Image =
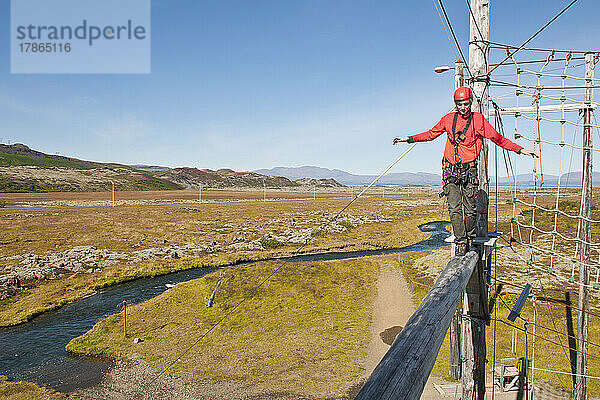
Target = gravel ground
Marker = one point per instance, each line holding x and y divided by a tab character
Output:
138	380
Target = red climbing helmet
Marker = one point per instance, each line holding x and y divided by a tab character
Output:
463	93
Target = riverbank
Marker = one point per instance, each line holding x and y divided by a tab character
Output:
303	331
26	390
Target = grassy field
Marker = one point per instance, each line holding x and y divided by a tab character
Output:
26	391
130	229
134	228
303	332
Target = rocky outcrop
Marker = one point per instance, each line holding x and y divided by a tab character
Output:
318	182
89	259
222	178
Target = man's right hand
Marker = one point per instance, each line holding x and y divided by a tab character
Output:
400	139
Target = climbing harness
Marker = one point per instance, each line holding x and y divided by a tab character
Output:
459	137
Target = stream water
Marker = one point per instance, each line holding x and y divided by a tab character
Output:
35	351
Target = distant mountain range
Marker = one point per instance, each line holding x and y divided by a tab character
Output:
571	179
346	178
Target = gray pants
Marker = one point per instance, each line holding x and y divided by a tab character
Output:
461	200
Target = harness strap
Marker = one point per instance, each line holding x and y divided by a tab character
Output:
458	137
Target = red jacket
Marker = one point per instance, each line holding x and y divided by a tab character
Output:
469	148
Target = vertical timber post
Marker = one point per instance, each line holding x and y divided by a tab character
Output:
124	318
581	389
475	299
455	324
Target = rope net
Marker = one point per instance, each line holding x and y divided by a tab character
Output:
545	104
540	105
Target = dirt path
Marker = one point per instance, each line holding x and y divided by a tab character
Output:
393	307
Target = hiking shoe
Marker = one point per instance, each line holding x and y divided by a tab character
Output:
460	249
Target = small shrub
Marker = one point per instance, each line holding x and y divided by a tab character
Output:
346	224
270	243
318	233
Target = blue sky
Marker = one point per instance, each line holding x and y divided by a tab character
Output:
248	85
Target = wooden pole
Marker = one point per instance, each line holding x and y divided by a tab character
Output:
475	301
454	339
478	65
533	346
581	389
124	318
403	371
113	193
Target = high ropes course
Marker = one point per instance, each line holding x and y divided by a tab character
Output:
550	246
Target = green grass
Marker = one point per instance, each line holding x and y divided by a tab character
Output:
11	185
12	160
303	331
25	391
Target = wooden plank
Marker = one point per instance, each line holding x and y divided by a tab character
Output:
403	371
478	64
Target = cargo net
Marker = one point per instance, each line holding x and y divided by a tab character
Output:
546	105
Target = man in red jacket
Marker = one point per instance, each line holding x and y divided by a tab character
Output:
465	129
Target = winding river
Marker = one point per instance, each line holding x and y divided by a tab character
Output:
35	351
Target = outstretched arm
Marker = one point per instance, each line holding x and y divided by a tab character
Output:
426	136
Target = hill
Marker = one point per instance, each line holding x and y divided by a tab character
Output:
20	155
318	182
193	177
26	170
